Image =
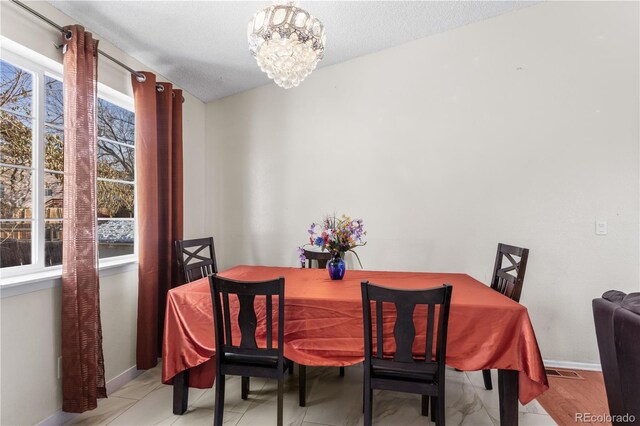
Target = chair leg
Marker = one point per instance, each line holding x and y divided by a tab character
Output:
341	371
364	380
440	411
425	405
290	367
368	403
280	400
302	385
219	408
245	387
434	408
486	375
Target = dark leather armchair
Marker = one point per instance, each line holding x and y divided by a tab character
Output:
626	329
617	321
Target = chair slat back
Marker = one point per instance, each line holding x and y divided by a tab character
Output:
227	320
379	329
321	258
509	269
247	320
404	331
430	321
196	258
269	323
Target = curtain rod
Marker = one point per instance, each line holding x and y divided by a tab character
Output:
139	76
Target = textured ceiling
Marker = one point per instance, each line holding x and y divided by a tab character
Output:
202	45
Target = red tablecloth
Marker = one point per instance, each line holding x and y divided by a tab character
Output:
324	324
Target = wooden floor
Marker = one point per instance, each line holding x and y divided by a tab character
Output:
566	397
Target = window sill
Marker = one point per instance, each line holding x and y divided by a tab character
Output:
50	277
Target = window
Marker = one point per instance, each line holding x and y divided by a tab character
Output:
32	169
116	173
16	164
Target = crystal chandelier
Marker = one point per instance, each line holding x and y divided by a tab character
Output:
287	42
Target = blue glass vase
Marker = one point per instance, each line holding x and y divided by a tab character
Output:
336	267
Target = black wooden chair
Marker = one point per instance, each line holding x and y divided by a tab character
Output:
403	372
321	258
246	359
192	260
507	279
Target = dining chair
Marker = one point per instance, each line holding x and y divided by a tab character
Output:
321	258
246	358
507	279
193	261
401	370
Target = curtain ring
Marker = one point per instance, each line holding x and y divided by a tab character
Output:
173	95
68	35
160	88
141	78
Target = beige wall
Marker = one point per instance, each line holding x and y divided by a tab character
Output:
30	329
523	129
520	129
30	337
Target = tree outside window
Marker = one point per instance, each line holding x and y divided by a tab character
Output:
18	183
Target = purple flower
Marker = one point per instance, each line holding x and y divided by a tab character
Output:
336	234
302	257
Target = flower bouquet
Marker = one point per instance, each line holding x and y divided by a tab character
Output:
337	235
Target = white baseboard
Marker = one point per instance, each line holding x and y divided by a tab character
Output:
122	379
60	417
57	418
570	365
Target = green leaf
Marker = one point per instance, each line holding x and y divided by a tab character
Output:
357	257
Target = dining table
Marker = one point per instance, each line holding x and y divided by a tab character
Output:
324	327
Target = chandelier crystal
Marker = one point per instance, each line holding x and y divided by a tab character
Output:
287	42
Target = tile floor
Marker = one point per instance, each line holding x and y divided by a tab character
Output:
331	400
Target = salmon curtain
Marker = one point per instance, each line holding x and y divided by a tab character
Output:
158	109
82	359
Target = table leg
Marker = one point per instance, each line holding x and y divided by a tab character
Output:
180	392
302	384
508	392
